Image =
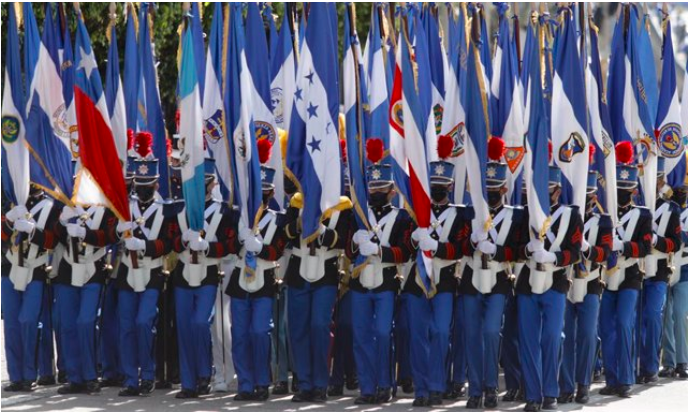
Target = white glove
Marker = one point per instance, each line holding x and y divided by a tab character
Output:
618	245
487	248
253	244
585	246
369	248
24	225
76	231
654	239
124	226
535	245
428	243
322	229
361	236
18	212
244	234
418	234
67	214
189	234
135	244
476	237
544	257
198	244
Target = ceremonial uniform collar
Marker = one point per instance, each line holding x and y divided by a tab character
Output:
381	211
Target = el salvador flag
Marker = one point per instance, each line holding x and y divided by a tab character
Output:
15	156
114	95
46	133
131	69
313	148
438	63
191	131
283	76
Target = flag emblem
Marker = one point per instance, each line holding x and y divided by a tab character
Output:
10	129
607	144
670	140
213	127
438	111
514	156
264	130
458	135
398	115
276	103
574	145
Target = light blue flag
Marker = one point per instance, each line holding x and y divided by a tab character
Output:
199	44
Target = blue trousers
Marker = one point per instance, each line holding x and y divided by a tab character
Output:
343	361
372	333
109	355
510	355
21	311
580	343
60	362
430	322
675	339
483	321
460	364
78	308
617	319
194	313
137	313
654	298
279	356
540	325
309	314
402	338
251	327
46	350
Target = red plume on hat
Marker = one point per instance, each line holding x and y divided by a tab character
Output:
168	145
495	148
445	146
549	149
342	146
264	150
624	152
130	139
591	150
177	117
375	150
144	141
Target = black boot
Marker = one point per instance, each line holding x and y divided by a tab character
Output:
565	398
583	394
435	398
383	396
682	371
365	399
261	393
92	387
302	397
335	391
281	388
597	376
15	386
457	391
46	380
129	391
352	383
532	406
294	384
187	394
406	385
72	388
147	387
110	382
319	395
510	395
667	372
243	396
491	399
61	377
608	390
623	391
421	402
550	404
474	402
203	386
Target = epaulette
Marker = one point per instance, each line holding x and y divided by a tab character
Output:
465	212
344	204
296	200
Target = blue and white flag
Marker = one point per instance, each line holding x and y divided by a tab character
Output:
199	44
32	45
669	131
438	63
132	74
15	155
114	95
646	53
191	131
684	108
259	84
376	78
569	116
47	133
267	14
313	148
283	73
68	79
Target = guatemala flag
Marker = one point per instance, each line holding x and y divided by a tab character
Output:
132	74
569	116
313	149
15	156
669	131
47	133
97	182
259	83
191	132
283	73
199	45
114	95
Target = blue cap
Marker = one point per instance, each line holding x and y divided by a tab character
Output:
626	176
660	166
495	174
441	172
209	167
146	169
267	176
591	185
379	175
554	175
131	167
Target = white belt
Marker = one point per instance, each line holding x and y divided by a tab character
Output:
85	268
541	281
22	276
195	273
138	278
614	279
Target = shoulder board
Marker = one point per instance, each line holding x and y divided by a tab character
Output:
644	211
403	213
466	212
343	205
296	200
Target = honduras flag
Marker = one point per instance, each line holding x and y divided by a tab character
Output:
354	102
238	104
669	131
604	161
114	95
313	148
213	107
150	94
259	77
283	76
569	116
132	74
191	130
438	62
97	183
378	95
15	156
47	134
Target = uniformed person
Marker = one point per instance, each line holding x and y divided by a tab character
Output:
632	242
541	294
27	230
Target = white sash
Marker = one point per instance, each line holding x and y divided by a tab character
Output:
372	275
194	274
312	267
541	281
659	226
255	283
484	280
626	229
442	226
86	268
138	278
579	287
681	258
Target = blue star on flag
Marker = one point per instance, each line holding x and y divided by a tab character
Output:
314	144
297	94
312	110
310	77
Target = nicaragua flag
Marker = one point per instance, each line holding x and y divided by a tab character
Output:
283	76
214	129
132	73
96	182
259	85
114	95
669	131
313	147
47	134
569	116
15	156
191	130
238	104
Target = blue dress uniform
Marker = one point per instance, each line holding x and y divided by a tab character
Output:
79	287
541	294
632	241
23	286
583	304
252	289
659	265
374	287
195	287
153	229
343	360
485	283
